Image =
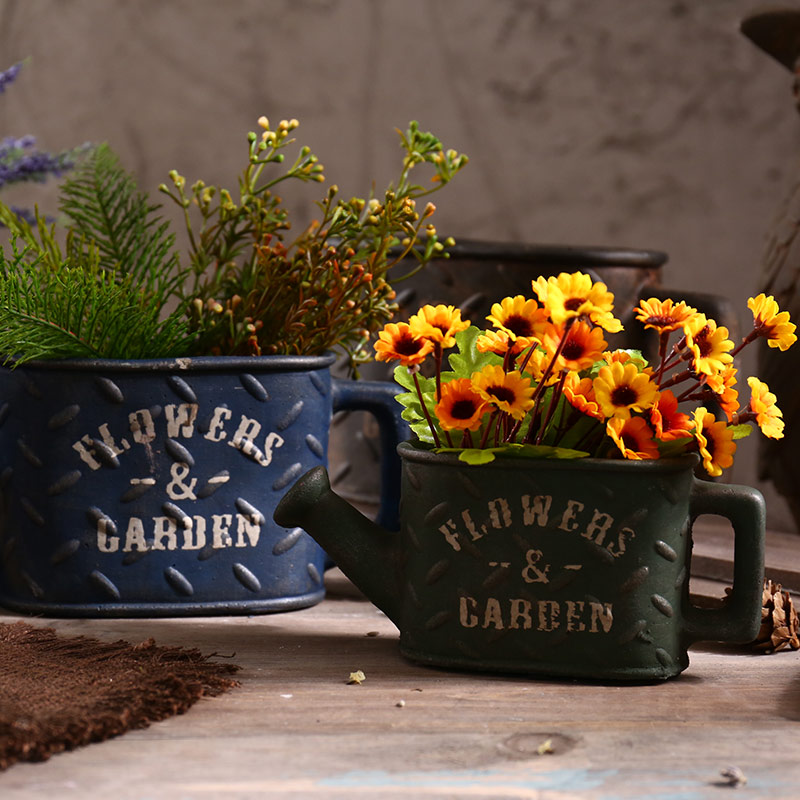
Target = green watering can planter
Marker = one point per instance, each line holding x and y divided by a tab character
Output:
570	568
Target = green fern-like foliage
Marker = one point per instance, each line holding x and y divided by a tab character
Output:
100	290
104	206
72	312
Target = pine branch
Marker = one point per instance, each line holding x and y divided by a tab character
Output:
104	205
72	313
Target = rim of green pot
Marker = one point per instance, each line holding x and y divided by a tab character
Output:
410	452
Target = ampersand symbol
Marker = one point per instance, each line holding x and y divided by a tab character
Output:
532	573
176	488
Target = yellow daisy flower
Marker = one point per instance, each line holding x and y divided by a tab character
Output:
622	388
508	391
574	295
461	407
767	414
663	316
537	364
624	357
584	345
580	395
771	323
714	441
723	385
499	342
397	343
518	317
709	345
633	437
669	423
439	324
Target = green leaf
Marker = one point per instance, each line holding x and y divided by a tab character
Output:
467	359
741	431
675	447
474	455
540	451
636	358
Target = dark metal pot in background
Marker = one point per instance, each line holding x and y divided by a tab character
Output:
480	273
146	488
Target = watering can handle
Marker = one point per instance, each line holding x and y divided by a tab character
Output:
378	398
739	618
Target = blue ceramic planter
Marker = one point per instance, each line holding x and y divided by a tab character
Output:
147	488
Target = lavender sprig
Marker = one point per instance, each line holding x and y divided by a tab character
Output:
20	161
8	76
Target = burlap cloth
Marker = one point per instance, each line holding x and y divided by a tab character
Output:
59	693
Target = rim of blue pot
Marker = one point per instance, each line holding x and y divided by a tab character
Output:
276	363
421	455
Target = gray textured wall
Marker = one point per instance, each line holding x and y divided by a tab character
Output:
649	124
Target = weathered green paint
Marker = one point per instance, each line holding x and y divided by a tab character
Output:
571	568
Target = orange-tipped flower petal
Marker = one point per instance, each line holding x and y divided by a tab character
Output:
663	316
622	388
460	407
709	345
580	395
439	324
508	391
669	423
584	345
633	437
714	441
519	318
396	342
771	323
762	404
575	295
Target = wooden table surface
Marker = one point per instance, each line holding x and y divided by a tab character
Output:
296	729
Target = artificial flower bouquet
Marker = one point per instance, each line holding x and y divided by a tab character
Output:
542	382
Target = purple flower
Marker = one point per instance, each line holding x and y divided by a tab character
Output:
20	161
8	76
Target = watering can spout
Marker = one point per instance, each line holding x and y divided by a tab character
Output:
364	551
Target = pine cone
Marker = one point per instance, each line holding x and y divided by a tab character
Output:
780	626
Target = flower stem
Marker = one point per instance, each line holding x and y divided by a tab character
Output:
555	397
489	425
425	410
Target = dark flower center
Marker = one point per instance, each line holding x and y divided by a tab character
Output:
463	409
630	441
518	325
574	303
573	349
407	345
702	342
624	396
660	320
502	393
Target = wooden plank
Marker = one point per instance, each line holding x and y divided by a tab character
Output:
712	556
296	729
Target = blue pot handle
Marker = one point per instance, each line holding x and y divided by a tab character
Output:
378	398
